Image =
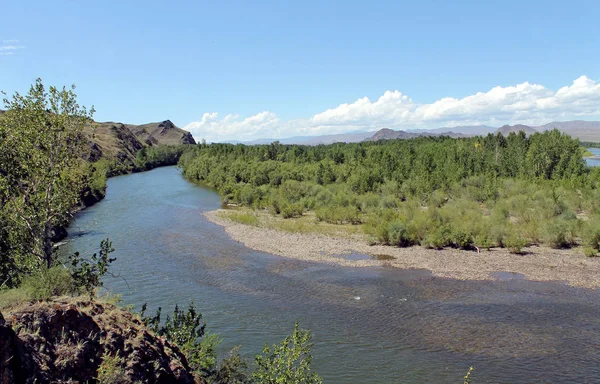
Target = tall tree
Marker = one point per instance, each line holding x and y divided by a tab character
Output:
41	148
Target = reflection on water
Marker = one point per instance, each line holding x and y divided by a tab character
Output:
370	325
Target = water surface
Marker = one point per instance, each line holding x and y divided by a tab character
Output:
594	161
370	325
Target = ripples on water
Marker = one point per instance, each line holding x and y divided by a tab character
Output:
373	325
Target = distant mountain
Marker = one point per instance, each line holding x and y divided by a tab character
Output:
390	134
351	137
506	129
468	130
584	130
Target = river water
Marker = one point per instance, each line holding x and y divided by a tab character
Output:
370	325
594	161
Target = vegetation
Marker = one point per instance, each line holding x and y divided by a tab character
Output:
43	177
436	192
288	362
41	173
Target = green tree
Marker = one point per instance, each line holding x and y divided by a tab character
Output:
41	144
287	363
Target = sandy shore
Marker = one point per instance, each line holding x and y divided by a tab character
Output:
537	263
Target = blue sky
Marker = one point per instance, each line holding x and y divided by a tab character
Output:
276	69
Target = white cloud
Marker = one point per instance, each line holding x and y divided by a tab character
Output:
522	103
9	47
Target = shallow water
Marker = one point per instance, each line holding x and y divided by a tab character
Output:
370	325
594	162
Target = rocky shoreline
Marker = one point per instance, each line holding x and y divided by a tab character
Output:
536	263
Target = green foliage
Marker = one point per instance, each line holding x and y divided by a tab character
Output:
159	156
514	243
288	362
87	274
41	148
186	330
46	283
433	191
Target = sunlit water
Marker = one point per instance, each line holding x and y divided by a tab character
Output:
370	325
595	161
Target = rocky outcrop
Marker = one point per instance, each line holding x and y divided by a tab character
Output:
74	341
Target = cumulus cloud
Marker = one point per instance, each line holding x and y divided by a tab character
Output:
9	47
522	103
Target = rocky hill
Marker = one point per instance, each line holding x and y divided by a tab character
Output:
122	141
78	341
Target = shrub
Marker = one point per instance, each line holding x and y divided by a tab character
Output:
186	330
514	243
288	362
590	252
558	234
46	283
461	238
398	234
438	238
289	211
591	234
87	274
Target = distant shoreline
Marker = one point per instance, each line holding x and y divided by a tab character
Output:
536	264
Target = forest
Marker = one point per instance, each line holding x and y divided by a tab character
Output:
436	192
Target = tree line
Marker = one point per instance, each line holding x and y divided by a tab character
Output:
479	192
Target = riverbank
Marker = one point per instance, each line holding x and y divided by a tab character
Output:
346	249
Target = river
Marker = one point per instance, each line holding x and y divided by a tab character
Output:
594	161
370	325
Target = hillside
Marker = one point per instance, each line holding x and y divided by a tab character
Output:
70	340
122	141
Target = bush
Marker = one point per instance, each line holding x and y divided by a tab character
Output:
590	252
186	330
591	234
289	211
461	238
288	362
398	234
558	234
514	243
438	238
87	274
46	283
